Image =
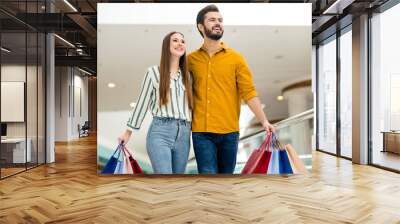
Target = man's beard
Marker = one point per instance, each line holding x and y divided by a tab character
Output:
212	36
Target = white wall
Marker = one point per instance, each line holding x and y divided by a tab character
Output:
61	103
17	73
70	83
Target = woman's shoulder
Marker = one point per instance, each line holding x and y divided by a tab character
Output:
154	73
152	69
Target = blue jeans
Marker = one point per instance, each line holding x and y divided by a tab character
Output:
215	153
168	145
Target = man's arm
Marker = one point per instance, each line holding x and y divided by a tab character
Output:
255	106
248	93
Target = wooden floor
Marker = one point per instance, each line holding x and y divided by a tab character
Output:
70	191
10	171
387	159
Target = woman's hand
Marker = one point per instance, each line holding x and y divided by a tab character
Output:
124	137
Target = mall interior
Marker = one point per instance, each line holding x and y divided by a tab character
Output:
341	109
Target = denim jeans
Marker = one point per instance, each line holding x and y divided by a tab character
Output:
215	153
168	145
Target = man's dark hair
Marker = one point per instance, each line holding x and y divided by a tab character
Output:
202	13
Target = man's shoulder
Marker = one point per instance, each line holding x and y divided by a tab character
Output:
233	51
194	53
235	55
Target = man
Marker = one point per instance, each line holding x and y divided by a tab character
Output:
221	78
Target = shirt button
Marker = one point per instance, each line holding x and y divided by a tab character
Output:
208	101
208	115
208	88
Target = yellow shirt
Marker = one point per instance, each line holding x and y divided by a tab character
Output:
219	84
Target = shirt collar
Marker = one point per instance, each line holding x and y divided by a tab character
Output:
222	47
178	73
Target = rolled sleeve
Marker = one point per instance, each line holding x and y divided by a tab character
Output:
244	80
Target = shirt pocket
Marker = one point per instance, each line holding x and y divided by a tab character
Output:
178	86
225	74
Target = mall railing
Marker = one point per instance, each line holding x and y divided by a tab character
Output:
296	130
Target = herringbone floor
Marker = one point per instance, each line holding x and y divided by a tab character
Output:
70	191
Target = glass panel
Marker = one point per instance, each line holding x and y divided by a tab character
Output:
32	90
13	87
299	135
346	94
41	98
31	100
385	86
327	96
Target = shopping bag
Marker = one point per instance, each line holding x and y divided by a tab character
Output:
284	163
112	162
259	159
273	166
134	164
127	164
297	163
291	163
120	167
281	163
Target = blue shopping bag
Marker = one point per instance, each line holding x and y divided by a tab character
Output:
113	162
284	164
280	163
273	166
119	169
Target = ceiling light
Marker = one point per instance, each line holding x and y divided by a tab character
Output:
70	5
5	50
132	104
280	98
64	40
338	6
111	85
84	71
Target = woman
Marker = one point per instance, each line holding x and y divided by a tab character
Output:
167	89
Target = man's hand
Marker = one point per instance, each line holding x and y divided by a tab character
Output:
255	106
268	127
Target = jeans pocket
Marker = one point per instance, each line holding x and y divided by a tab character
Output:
159	122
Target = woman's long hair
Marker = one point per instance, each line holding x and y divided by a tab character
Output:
165	77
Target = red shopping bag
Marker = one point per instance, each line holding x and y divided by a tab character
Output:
259	159
134	164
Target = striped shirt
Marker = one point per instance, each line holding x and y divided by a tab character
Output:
149	98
